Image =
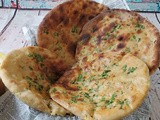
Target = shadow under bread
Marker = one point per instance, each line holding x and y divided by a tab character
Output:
2	88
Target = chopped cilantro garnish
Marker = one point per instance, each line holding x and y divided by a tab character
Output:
54	90
103	99
115	28
106	36
74	29
134	38
108	102
110	47
140	26
115	64
127	50
36	56
90	90
105	73
86	95
91	78
34	84
139	39
80	78
97	50
123	102
40	76
113	97
74	98
124	68
131	70
79	87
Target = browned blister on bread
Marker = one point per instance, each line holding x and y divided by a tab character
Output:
121	32
59	31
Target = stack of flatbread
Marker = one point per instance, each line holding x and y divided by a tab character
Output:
90	61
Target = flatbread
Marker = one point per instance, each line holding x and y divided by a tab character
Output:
60	29
28	73
121	32
100	88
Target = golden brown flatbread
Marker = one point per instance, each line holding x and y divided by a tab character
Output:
99	87
28	73
121	32
60	29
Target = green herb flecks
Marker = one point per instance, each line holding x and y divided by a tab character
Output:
123	102
139	39
103	99
91	78
139	26
79	87
127	50
115	64
97	50
74	98
131	70
105	37
90	90
74	29
80	78
109	102
108	34
110	47
116	28
134	38
36	56
105	74
124	68
40	77
87	95
33	84
54	90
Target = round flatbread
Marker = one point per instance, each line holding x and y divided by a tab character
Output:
121	32
99	87
60	29
28	73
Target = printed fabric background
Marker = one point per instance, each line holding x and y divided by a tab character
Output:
137	5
